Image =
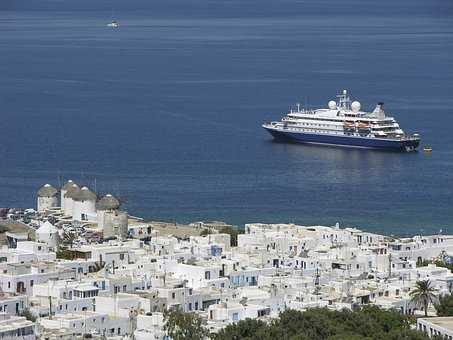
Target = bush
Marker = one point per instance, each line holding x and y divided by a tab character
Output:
184	326
367	323
444	306
28	315
233	232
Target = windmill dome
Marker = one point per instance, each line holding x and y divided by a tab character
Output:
84	194
68	185
47	191
108	202
72	190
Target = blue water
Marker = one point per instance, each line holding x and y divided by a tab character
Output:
166	111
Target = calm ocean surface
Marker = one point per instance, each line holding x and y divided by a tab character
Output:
166	110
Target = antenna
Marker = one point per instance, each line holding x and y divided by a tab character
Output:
344	100
59	179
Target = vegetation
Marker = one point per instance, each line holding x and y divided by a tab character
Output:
445	265
423	294
422	262
368	323
205	232
184	326
65	254
439	263
233	232
28	315
444	305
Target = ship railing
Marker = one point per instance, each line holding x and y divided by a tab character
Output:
414	136
409	137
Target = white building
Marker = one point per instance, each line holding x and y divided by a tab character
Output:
16	327
26	252
13	304
87	322
70	190
440	326
111	220
63	191
150	327
48	234
47	198
84	208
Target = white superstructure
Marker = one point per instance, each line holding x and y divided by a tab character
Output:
344	118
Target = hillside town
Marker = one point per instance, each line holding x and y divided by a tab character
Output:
80	266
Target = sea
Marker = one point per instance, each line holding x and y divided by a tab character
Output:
165	112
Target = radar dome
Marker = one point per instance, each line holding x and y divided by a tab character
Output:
355	106
332	105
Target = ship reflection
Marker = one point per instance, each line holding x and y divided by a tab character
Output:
343	165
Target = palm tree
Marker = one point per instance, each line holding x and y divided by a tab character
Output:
423	294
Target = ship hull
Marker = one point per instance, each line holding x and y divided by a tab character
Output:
344	141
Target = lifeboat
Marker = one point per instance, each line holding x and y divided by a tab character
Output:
363	126
349	125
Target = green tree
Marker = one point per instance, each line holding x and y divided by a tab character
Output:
244	330
444	305
423	294
28	315
233	232
367	323
65	254
184	326
205	232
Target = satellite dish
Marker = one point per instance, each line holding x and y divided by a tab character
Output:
355	106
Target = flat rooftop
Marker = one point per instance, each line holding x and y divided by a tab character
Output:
444	322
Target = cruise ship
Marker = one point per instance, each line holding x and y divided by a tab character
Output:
343	124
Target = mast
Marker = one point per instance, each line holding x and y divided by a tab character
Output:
344	101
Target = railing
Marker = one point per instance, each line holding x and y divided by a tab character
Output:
285	127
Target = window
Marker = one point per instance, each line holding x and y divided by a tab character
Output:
121	256
207	275
173	295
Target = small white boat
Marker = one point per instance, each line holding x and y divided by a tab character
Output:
113	24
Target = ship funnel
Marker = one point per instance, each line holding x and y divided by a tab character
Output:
379	110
